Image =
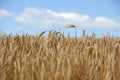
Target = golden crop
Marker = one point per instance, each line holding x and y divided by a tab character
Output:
57	57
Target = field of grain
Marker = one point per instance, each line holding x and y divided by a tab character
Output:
57	57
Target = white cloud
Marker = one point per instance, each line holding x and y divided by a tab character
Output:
46	18
4	13
103	21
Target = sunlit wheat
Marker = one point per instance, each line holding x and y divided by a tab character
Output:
57	57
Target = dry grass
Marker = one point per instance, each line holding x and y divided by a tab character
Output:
57	57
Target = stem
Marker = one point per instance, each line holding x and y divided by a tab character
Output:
75	32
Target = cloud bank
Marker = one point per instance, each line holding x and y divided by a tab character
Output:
4	13
48	18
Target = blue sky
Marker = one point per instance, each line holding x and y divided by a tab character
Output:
35	16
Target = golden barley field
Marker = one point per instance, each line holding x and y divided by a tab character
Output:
59	57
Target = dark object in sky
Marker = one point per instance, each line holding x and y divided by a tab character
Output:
72	26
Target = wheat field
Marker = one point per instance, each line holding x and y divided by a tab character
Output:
59	57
